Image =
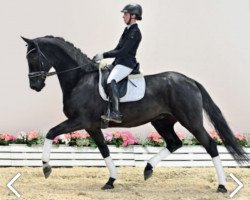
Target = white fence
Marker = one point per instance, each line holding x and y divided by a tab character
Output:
187	156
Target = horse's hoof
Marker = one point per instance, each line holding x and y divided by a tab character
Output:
107	187
222	189
148	174
47	170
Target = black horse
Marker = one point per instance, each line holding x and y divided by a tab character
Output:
170	97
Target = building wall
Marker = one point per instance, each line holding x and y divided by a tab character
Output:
208	40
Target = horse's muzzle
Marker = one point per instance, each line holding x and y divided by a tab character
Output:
37	87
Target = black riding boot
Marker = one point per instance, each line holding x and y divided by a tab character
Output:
115	115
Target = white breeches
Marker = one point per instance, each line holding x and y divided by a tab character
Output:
118	73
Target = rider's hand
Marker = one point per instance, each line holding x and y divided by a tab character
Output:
98	57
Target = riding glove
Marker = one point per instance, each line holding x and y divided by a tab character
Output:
98	57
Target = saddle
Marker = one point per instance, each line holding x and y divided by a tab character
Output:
130	89
122	85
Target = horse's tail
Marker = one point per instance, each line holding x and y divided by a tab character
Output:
222	127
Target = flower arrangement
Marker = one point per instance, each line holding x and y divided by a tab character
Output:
29	138
213	134
241	139
80	139
6	139
62	139
117	138
120	138
154	139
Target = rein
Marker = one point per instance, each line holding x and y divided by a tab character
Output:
45	74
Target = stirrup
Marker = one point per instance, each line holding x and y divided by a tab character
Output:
105	117
116	119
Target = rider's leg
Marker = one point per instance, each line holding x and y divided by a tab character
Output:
118	73
115	114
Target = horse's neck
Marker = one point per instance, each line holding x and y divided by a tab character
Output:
68	81
64	65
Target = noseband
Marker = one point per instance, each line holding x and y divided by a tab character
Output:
43	73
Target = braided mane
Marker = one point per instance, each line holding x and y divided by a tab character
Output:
74	51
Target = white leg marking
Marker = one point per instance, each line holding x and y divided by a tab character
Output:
219	170
46	150
158	157
112	169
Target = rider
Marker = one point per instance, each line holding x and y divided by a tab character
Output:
124	54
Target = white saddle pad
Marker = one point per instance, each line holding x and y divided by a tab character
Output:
135	88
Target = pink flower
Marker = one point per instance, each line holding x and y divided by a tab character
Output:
7	137
67	136
108	136
79	135
84	135
128	138
117	134
75	135
215	135
124	136
150	135
240	136
32	135
56	139
181	135
13	137
154	137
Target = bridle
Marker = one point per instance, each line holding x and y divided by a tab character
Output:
42	72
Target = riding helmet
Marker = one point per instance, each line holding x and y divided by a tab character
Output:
135	9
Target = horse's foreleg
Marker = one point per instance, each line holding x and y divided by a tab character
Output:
46	157
65	127
97	136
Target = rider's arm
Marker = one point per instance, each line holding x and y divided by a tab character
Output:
133	38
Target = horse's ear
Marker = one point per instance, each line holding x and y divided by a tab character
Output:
28	41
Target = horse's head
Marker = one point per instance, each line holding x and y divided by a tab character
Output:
38	65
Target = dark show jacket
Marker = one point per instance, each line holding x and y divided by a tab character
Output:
125	51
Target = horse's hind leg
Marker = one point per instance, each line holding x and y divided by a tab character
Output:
165	127
209	144
194	123
97	136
